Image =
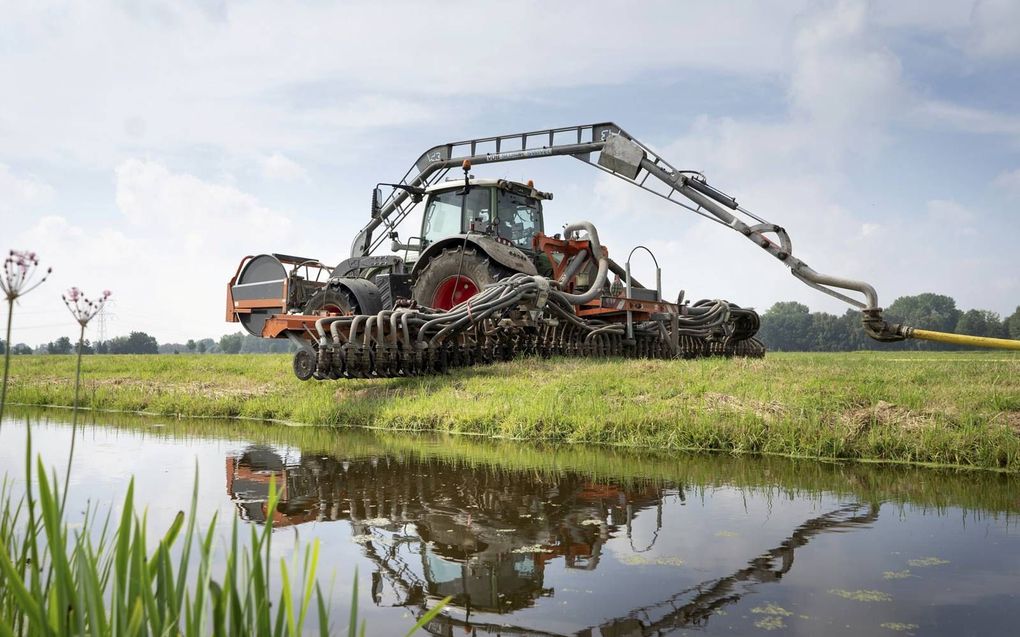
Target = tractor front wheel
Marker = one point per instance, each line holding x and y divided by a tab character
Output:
328	301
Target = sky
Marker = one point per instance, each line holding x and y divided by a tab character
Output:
146	147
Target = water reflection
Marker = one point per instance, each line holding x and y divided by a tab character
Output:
484	537
572	540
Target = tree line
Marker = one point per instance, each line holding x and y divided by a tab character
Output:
786	326
142	343
791	326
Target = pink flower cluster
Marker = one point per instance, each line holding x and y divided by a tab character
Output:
19	272
82	308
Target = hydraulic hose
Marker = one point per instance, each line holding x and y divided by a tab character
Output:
596	249
962	339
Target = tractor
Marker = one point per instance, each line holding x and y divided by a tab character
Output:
482	281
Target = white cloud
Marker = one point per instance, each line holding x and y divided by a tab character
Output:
993	32
277	167
846	93
166	259
270	77
1009	181
969	119
869	228
19	193
843	77
195	213
953	217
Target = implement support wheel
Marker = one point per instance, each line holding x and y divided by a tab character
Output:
304	364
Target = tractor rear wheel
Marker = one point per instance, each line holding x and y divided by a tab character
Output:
454	276
327	301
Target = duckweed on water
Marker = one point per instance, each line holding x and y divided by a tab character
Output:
534	548
772	622
925	562
641	560
897	626
771	609
904	574
862	595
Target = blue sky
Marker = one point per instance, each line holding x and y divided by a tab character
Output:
146	147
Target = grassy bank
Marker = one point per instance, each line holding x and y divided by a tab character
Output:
765	475
946	408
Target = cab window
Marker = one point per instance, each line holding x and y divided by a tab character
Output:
443	214
518	218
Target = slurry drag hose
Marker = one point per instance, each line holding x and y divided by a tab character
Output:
960	339
886	332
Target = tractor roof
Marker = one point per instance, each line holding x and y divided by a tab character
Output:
454	183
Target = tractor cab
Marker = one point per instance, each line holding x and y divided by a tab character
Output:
508	210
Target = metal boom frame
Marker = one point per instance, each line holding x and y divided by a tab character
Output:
624	157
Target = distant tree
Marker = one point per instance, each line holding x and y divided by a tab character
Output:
1013	324
21	349
828	333
256	345
927	311
60	346
3	346
786	326
231	343
191	345
102	348
972	322
996	326
86	347
201	346
981	323
135	343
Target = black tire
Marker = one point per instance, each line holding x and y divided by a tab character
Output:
304	364
470	264
329	300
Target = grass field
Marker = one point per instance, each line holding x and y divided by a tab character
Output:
956	408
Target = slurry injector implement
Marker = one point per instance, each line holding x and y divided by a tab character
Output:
483	282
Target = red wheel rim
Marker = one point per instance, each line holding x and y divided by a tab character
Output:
333	309
452	291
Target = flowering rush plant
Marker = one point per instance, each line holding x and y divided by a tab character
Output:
20	274
83	308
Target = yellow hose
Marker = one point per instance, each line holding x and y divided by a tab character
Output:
962	339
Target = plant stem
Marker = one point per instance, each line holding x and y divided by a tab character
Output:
7	358
74	417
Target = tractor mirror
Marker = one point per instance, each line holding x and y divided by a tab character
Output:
377	201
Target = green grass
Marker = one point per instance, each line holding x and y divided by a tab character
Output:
954	408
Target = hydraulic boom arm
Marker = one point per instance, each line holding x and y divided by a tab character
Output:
608	147
622	156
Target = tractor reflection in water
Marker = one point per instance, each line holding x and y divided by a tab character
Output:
484	536
480	535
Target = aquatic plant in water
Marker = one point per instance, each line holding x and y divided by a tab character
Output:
19	278
925	562
862	595
101	578
83	310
